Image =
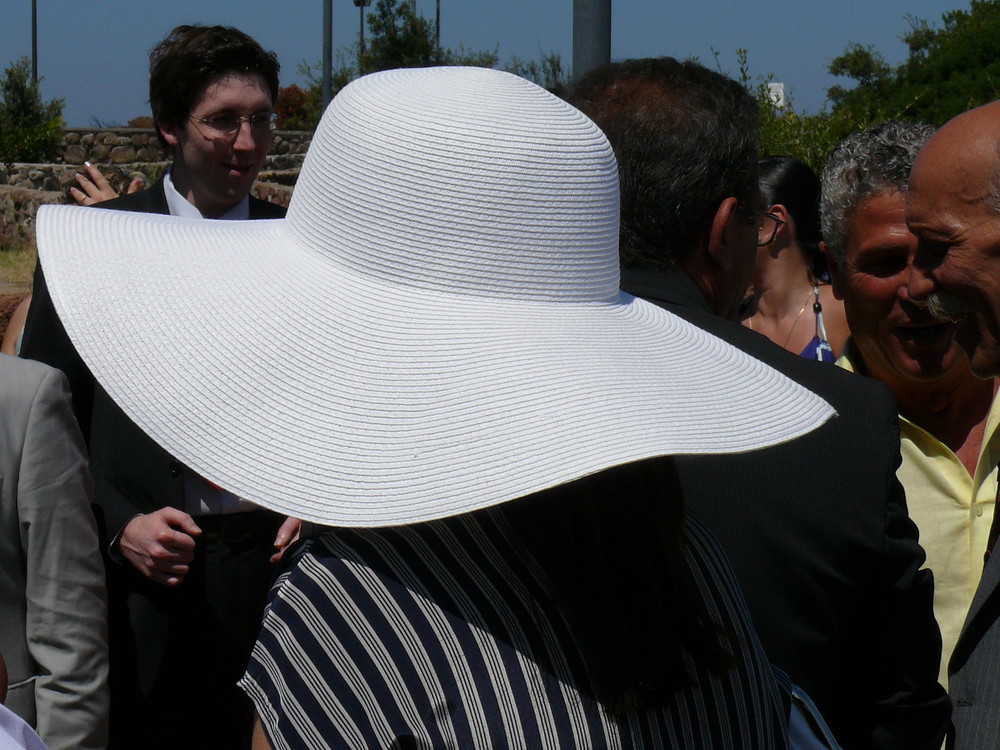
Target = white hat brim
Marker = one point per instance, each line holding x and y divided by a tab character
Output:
323	394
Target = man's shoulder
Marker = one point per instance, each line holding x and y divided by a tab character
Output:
844	390
150	201
24	376
262	209
29	388
154	201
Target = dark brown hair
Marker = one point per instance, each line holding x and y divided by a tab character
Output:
685	138
191	57
612	548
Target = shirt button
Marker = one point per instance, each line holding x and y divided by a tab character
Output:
175	472
979	511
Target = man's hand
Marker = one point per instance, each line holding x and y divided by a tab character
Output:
287	535
94	187
160	545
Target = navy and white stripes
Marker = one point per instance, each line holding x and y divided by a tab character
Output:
437	636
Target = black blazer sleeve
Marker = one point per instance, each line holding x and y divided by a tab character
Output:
46	340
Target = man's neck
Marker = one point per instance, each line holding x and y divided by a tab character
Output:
954	409
665	285
180	203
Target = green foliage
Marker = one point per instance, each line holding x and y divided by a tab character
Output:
786	132
547	71
809	137
864	64
30	130
399	38
402	39
948	70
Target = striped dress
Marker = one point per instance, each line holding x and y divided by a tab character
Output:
437	636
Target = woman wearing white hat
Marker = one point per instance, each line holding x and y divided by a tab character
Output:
452	339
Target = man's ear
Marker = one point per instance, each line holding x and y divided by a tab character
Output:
726	237
835	271
168	131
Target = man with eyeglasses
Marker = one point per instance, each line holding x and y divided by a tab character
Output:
188	563
816	528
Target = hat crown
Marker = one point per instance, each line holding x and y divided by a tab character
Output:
463	181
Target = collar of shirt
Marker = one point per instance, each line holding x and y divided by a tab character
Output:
953	512
179	205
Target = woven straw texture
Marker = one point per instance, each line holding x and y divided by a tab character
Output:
435	327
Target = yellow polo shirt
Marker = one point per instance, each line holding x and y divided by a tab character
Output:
953	512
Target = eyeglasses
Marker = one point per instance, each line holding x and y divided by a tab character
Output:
227	126
765	233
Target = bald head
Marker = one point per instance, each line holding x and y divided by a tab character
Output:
953	208
962	158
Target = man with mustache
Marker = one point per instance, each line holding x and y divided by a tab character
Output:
952	208
949	419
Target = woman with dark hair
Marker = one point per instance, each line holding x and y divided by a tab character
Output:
790	275
584	616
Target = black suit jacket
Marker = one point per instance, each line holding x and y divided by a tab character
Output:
132	474
974	670
818	533
160	637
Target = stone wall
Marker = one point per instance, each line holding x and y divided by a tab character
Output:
136	151
18	205
57	177
140	145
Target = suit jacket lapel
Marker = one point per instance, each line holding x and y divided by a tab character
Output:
982	612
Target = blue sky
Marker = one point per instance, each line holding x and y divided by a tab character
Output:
93	54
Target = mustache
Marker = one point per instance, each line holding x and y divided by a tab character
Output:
946	306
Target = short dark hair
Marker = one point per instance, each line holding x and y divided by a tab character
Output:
191	57
794	185
685	138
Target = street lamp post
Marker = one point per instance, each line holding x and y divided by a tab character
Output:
34	42
327	86
591	35
361	5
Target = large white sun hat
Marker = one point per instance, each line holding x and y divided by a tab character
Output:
436	326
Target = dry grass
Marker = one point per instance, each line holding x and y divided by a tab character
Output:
17	255
17	266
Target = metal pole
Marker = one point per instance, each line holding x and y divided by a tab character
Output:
437	25
361	33
34	42
591	35
327	51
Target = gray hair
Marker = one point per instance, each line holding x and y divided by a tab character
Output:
861	166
